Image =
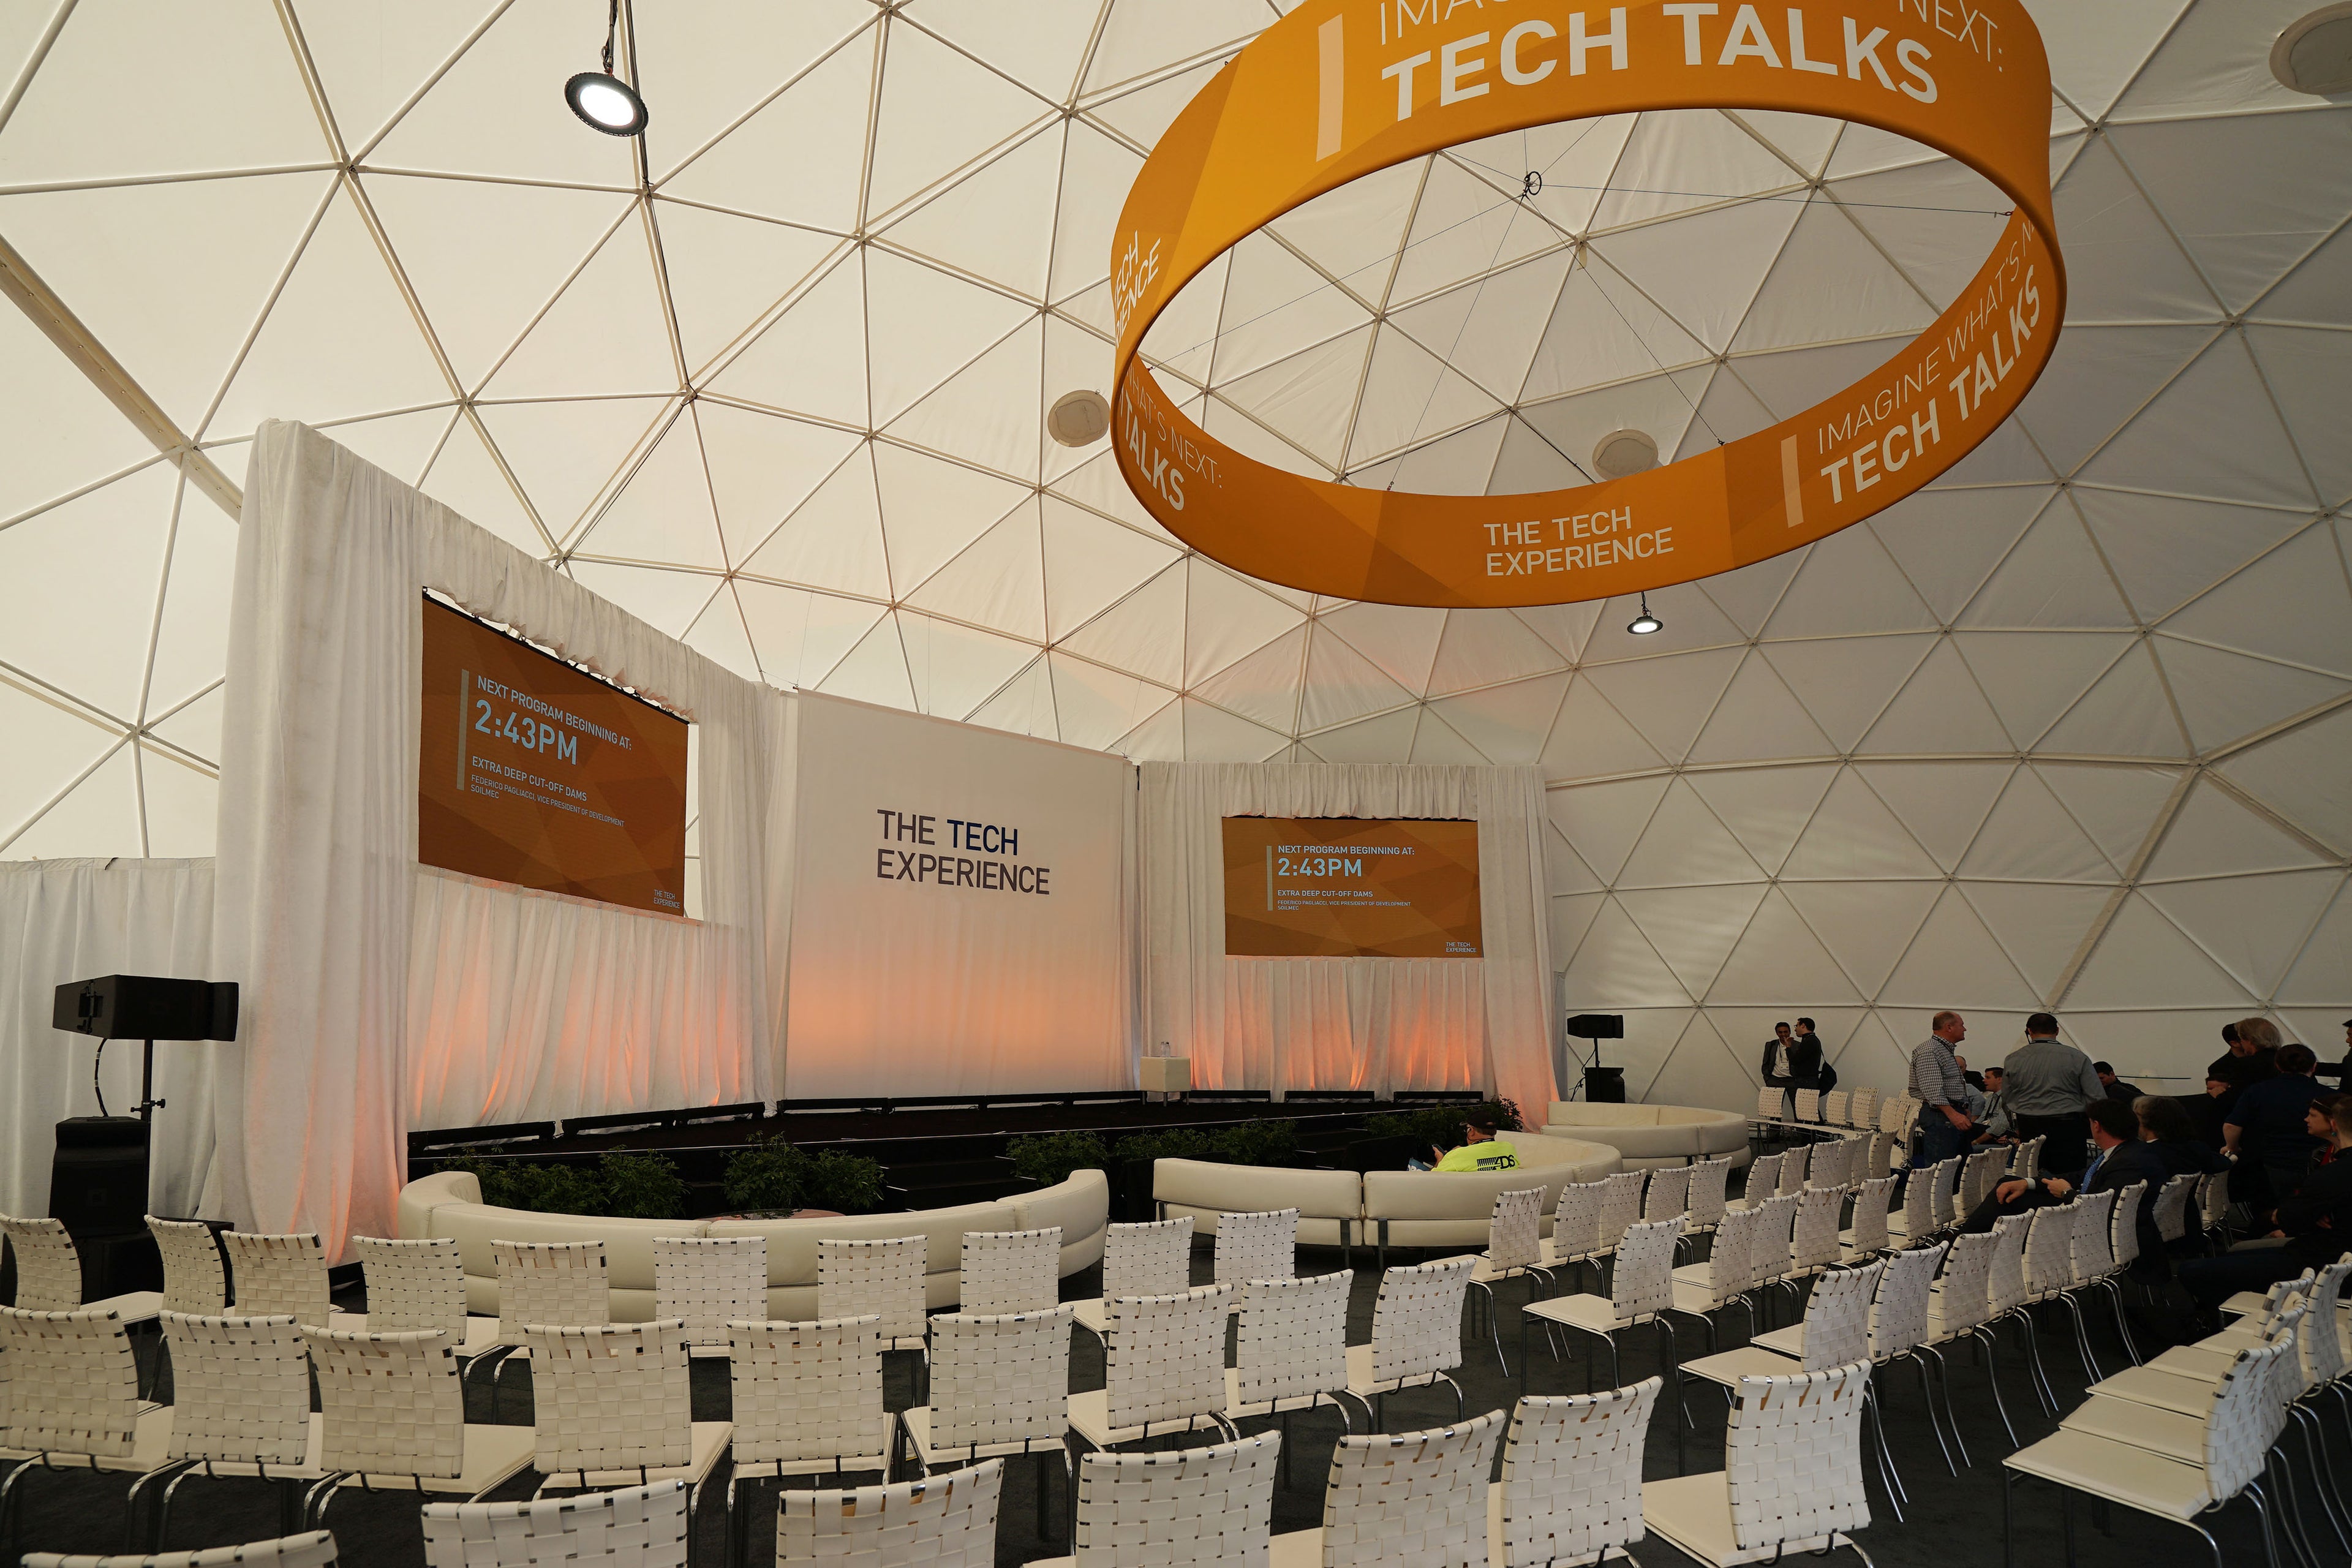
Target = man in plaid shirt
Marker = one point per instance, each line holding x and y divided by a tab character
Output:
1937	1083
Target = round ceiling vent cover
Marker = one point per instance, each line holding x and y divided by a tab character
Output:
1079	419
2315	54
1624	452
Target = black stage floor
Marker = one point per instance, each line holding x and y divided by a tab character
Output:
1953	1521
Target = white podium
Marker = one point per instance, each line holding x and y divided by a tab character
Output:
1166	1075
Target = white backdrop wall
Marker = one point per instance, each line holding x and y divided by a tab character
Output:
70	920
907	987
1381	1024
315	909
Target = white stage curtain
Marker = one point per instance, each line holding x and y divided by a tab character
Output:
317	844
71	920
1381	1024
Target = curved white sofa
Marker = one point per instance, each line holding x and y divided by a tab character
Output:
449	1204
1649	1136
1404	1208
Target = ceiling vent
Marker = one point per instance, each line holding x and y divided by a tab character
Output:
1623	452
2315	55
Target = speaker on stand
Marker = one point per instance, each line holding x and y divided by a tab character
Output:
97	1178
1603	1085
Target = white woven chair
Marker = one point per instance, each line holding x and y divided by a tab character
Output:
1416	1334
2027	1162
1978	1175
1191	1507
612	1404
1668	1195
1703	1290
1832	1165
278	1276
1835	1331
999	1385
1249	1247
1767	1105
70	1400
1834	1103
1415	1500
2213	1205
1150	1258
1868	1237
1882	1147
940	1521
710	1281
1763	1182
240	1407
883	1278
1641	1290
391	1413
1514	1250
48	1273
1814	1236
1708	1179
1794	1163
48	1278
807	1401
414	1285
193	1281
1961	1306
315	1549
2090	1258
1898	1328
638	1526
1808	1105
1163	1368
1620	1209
1575	1236
2005	1298
1011	1271
1864	1108
1770	1247
556	1284
2215	1452
2172	1207
1915	1220
1290	1350
1571	1485
1791	1480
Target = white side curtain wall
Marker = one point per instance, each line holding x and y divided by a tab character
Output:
71	920
1381	1024
317	902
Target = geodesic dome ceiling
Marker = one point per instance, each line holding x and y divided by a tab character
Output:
2070	728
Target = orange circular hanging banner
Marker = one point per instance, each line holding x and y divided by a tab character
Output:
1340	88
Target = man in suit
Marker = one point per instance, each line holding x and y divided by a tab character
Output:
1790	1065
2119	1160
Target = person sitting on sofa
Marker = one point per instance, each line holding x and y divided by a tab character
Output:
1481	1152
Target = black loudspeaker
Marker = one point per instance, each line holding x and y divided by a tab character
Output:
98	1185
1604	1086
146	1007
1584	1026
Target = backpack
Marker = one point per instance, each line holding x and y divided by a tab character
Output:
1829	1078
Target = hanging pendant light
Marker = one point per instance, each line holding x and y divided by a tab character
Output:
603	101
1643	624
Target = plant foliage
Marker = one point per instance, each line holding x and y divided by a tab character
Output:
636	1186
773	1174
1046	1158
1441	1125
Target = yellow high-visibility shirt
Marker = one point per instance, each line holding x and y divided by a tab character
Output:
1494	1154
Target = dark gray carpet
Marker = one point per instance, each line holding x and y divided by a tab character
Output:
1952	1520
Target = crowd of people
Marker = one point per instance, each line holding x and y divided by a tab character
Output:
2264	1118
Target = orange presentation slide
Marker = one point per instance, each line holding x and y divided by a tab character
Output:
1347	887
534	772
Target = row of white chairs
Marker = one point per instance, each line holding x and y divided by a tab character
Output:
1861	1109
2196	1427
1570	1491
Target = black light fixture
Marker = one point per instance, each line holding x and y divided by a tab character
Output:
1643	624
603	101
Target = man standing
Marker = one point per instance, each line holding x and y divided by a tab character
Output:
2344	1068
2116	1088
1936	1083
2267	1125
2047	1085
1790	1066
2252	1056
